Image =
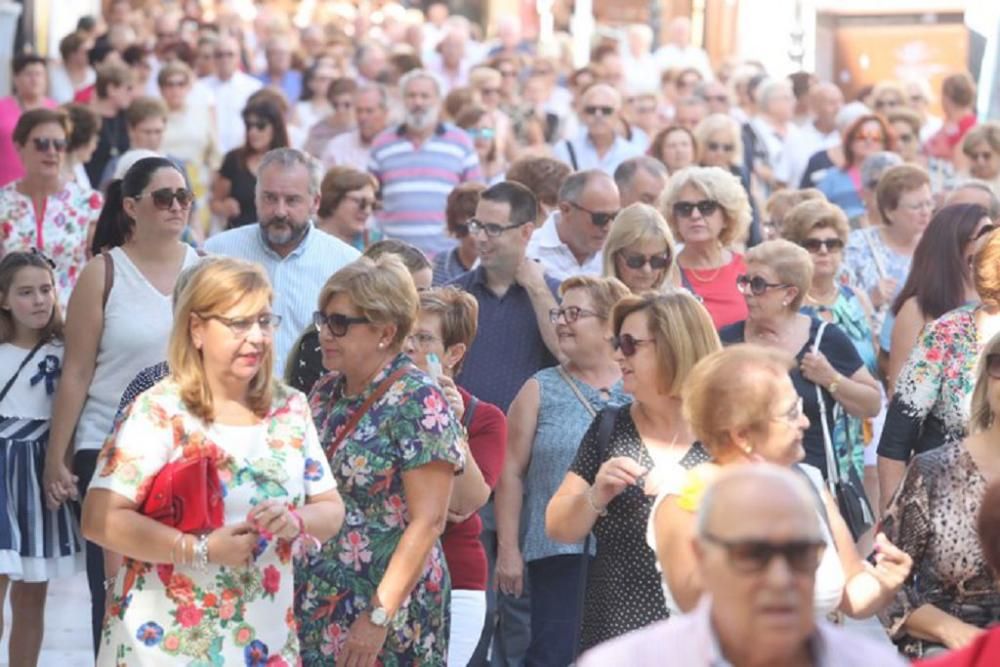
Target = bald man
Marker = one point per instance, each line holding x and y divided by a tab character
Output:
820	133
758	546
598	144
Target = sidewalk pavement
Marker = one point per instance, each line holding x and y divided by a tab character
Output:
67	626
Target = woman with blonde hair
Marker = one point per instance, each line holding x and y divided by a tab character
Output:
624	456
229	556
708	210
639	249
719	142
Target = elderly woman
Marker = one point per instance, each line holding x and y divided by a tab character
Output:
743	407
843	184
480	125
779	204
346	204
905	124
675	147
981	146
44	209
380	591
778	278
719	143
639	250
615	473
708	211
445	328
459	209
548	419
219	406
930	404
953	595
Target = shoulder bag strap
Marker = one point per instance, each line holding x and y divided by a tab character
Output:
109	277
832	469
572	154
470	412
564	374
28	357
352	423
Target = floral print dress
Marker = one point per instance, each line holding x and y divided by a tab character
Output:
408	427
866	257
63	232
163	614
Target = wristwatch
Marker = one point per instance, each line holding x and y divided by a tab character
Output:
378	614
832	387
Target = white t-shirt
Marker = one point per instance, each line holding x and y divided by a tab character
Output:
26	400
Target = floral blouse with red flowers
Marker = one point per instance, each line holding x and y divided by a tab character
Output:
409	426
62	234
164	614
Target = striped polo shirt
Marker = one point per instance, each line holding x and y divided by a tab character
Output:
416	180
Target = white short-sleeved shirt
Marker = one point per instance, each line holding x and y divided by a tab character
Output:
29	399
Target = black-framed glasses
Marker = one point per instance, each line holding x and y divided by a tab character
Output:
829	245
684	209
336	324
492	229
636	261
629	344
595	109
44	144
241	326
597	218
164	198
756	285
569	313
993	365
753	556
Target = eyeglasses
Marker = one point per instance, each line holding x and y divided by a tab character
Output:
629	344
343	105
927	204
422	339
508	73
241	326
888	104
993	365
363	203
756	285
163	199
490	91
753	556
828	245
637	260
715	146
985	156
492	229
44	144
904	138
593	110
684	209
875	137
570	314
917	99
793	414
721	99
481	132
597	218
224	54
259	125
336	323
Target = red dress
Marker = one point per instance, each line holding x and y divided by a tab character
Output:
718	292
983	652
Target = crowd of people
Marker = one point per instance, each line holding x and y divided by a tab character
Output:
385	341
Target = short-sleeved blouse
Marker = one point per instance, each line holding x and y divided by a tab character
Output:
864	254
410	426
623	586
933	393
163	614
716	288
933	518
62	235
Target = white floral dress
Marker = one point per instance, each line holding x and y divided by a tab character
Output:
161	614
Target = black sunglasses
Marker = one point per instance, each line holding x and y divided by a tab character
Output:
829	245
684	209
628	344
757	285
597	218
716	146
259	125
44	144
993	365
595	110
637	261
336	323
753	556
163	199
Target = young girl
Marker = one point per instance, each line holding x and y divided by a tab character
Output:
36	545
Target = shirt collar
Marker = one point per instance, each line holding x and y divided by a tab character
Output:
548	233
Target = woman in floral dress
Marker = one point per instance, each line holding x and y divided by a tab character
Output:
379	591
222	596
44	210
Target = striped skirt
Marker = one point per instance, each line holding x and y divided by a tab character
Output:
36	544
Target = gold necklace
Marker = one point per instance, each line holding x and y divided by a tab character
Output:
824	299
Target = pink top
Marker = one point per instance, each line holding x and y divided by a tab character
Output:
10	164
718	292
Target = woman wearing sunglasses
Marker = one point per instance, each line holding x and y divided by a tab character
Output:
44	209
953	595
709	212
639	250
381	590
480	125
842	184
743	407
346	204
610	486
119	320
930	401
777	279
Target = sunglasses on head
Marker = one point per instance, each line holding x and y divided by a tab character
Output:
594	110
628	344
44	144
163	199
754	556
716	146
684	209
830	245
993	365
336	324
638	260
597	218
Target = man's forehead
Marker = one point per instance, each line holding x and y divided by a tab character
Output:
278	179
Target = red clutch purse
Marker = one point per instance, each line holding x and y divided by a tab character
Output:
187	495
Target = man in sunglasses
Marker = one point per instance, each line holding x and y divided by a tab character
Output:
758	546
598	144
570	241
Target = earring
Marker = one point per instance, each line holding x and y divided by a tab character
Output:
785	304
381	345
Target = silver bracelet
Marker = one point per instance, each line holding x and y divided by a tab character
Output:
201	554
593	505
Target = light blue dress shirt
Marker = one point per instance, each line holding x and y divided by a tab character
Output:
587	157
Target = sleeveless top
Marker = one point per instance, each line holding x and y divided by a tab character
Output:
137	323
562	423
